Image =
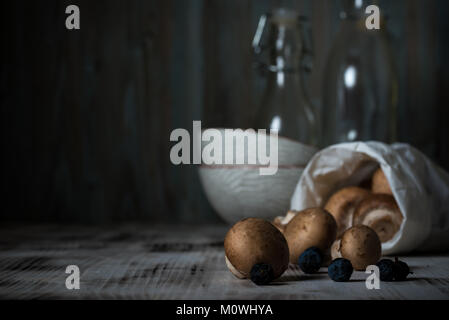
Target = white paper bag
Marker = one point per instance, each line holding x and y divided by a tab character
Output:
420	187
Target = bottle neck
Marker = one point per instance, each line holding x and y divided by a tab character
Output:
285	57
286	48
284	79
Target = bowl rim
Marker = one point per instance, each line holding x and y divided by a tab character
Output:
267	134
248	166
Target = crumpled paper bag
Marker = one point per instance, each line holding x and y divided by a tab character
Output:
420	187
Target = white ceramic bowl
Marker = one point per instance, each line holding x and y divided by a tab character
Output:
238	192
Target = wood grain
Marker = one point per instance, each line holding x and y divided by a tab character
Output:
160	262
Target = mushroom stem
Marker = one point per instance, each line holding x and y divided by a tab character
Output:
233	270
281	222
335	249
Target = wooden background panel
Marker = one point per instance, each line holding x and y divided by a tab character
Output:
87	115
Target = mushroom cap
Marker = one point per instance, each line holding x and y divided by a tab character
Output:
252	241
314	227
342	204
379	183
361	245
381	213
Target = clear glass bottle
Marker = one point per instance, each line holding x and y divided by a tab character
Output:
284	107
360	84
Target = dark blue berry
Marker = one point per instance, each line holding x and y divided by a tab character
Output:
310	260
386	269
340	270
261	274
401	270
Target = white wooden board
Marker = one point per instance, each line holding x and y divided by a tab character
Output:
157	262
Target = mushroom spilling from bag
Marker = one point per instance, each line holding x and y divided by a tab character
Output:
342	205
419	186
381	213
354	205
379	183
375	208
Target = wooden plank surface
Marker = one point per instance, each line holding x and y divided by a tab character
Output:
157	262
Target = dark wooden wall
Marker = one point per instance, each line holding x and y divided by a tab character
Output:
86	115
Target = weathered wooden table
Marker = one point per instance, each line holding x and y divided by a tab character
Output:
157	262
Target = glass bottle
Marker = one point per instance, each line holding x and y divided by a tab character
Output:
360	85
284	107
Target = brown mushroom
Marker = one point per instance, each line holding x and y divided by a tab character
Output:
342	204
381	213
314	227
360	245
252	241
379	183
